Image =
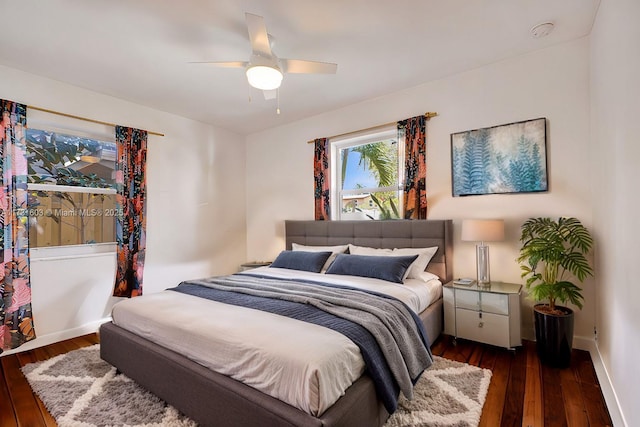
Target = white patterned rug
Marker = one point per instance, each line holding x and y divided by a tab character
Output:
448	394
81	390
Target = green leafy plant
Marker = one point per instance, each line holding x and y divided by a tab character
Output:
377	157
386	212
552	252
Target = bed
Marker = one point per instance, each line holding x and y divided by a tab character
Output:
212	398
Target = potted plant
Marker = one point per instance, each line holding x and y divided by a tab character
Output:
554	252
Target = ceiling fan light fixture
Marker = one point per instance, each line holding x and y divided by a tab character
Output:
264	77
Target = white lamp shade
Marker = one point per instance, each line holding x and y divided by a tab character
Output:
482	230
264	77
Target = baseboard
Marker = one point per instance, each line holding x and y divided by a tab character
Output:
583	343
606	386
55	337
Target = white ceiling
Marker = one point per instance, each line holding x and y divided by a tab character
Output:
139	50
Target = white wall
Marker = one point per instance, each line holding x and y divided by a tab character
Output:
195	213
615	67
551	83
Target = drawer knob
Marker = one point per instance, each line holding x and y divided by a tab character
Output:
480	324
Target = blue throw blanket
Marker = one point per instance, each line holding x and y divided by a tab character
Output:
389	335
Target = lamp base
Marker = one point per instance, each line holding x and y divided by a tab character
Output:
482	265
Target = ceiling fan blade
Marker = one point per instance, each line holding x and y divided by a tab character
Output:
258	35
308	67
225	64
270	94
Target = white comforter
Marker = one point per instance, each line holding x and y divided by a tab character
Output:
305	365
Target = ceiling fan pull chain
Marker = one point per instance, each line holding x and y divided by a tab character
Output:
278	101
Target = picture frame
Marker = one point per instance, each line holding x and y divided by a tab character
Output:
509	158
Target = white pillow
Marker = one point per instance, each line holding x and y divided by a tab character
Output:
425	276
339	249
420	264
364	250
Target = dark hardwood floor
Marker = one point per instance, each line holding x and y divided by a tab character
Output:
525	393
522	391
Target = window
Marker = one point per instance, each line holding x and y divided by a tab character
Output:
71	189
366	176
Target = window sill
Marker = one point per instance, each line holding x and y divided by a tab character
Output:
72	251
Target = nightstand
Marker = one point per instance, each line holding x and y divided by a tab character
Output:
488	314
254	264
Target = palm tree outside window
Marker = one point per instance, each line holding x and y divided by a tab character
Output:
367	176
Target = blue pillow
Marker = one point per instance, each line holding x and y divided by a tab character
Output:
389	268
301	260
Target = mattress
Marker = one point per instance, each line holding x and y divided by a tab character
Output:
302	364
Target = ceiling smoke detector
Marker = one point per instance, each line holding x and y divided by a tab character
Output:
542	29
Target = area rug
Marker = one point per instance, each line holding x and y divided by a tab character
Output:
81	390
448	394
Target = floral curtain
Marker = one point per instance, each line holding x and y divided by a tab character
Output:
321	180
131	189
16	319
413	132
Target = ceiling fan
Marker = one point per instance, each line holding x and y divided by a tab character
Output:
264	69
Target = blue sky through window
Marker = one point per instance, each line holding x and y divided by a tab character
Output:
357	174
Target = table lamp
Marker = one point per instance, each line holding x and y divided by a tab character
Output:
482	230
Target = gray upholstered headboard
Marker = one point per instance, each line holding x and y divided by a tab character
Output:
381	234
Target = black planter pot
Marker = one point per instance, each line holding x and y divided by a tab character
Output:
554	336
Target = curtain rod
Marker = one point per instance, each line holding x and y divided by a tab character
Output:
427	115
84	118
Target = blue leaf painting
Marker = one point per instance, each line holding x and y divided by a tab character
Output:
501	159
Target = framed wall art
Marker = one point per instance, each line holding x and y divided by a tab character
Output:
509	158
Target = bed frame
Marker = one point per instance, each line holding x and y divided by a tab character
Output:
213	399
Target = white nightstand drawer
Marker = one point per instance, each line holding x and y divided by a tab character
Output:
483	301
469	300
494	303
484	327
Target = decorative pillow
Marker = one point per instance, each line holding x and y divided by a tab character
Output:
301	260
364	250
389	268
335	250
420	264
425	276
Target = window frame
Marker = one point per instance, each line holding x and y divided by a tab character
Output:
353	140
63	251
72	252
82	249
